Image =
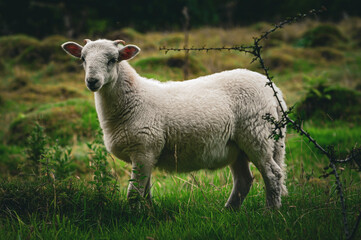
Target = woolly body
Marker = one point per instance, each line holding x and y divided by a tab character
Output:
205	123
200	122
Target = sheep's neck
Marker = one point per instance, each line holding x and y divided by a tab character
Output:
116	101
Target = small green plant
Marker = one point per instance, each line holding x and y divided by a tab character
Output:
57	163
51	162
317	87
36	146
103	180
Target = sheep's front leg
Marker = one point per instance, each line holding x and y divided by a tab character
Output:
139	184
242	182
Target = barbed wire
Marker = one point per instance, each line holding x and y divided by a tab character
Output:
256	50
241	48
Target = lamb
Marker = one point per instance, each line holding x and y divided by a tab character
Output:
205	123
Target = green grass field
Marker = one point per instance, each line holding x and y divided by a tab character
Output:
81	194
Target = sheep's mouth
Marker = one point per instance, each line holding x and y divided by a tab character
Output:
93	87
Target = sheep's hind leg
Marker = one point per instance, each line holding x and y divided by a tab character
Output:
279	157
242	181
272	176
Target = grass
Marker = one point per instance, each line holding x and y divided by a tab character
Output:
181	211
42	84
185	206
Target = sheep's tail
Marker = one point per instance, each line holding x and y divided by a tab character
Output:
280	149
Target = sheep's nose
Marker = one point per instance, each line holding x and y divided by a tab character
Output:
93	84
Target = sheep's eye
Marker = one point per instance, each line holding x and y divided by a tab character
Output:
83	59
112	61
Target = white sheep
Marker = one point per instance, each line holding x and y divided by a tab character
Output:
205	123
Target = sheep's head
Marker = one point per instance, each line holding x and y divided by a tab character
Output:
100	59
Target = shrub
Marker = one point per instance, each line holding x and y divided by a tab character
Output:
326	102
322	35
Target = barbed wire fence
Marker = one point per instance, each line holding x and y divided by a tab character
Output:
353	158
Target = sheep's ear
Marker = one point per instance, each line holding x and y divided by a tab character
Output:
128	52
72	49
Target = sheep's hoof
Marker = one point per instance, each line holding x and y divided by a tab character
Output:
273	204
232	206
140	205
134	206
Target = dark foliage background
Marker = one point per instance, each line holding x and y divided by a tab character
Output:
41	18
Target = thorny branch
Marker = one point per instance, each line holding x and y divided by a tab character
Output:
256	51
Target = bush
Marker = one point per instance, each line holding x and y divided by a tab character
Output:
327	102
322	35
